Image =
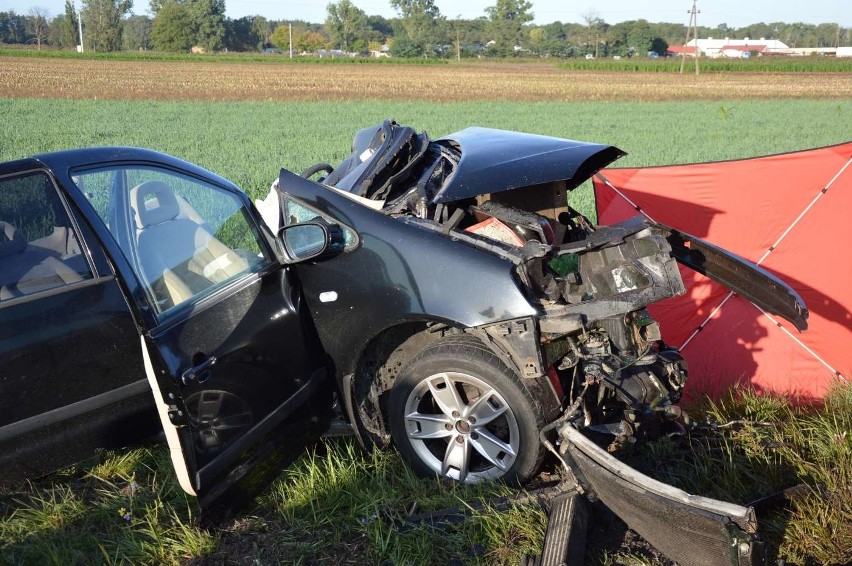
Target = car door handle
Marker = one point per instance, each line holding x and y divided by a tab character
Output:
199	373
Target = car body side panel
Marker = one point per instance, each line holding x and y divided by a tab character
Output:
399	272
498	160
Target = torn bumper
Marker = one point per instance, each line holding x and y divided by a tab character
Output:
689	529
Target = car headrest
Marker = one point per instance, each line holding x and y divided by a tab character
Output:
11	241
153	203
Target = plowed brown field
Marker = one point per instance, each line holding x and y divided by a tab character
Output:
227	81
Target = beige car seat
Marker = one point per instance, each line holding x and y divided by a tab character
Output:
179	256
27	269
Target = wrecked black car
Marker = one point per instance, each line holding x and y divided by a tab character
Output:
438	295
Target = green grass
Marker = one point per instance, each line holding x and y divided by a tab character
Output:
813	64
249	142
337	504
769	444
341	505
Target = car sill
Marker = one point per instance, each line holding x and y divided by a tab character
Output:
73	410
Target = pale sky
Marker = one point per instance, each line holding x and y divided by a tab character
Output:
735	13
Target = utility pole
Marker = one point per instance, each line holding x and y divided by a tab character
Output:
291	40
80	26
458	38
693	27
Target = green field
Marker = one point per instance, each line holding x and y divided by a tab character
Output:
249	142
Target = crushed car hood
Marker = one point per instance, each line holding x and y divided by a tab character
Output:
497	160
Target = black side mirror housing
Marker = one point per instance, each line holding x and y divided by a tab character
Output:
312	240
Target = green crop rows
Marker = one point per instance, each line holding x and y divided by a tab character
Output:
249	142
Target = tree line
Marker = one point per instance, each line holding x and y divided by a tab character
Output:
419	30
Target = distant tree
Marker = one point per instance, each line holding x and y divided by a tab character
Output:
346	25
280	38
102	20
381	26
208	18
138	33
507	22
307	41
639	37
262	29
53	36
12	28
304	40
240	34
549	40
594	28
172	29
205	20
68	31
419	20
37	25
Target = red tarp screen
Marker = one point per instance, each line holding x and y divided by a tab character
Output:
792	214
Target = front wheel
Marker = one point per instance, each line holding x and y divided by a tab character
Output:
456	411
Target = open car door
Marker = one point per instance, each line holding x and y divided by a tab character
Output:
230	351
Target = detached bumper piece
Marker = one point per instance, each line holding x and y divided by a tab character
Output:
567	524
689	529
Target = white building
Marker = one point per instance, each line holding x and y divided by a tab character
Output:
736	47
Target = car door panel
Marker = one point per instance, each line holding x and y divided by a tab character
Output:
229	350
67	388
267	363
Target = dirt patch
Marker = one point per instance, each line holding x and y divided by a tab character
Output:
229	81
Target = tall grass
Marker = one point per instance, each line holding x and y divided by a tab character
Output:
751	445
248	57
341	505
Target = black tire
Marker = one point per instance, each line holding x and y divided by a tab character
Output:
500	441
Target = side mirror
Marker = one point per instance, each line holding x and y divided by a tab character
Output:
311	240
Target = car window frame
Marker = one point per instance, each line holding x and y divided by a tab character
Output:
211	295
96	277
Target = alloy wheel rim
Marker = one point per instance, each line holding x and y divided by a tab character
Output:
461	427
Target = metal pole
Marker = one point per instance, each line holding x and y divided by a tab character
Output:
80	27
693	27
291	40
686	46
695	33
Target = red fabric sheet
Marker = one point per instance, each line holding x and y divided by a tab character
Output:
746	206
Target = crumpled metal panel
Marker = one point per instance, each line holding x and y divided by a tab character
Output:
493	161
689	529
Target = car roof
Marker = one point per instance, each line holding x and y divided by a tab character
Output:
61	161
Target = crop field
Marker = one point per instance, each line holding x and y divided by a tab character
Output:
255	81
249	142
338	505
